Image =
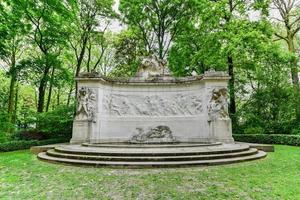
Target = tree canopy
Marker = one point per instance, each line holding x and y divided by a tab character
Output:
44	44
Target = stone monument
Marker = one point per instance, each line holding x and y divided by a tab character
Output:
153	107
152	119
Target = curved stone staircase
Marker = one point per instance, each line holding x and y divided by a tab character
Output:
151	155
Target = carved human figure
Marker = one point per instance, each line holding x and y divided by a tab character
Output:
218	106
86	104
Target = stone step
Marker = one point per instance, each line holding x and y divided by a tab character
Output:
44	156
175	151
128	145
54	153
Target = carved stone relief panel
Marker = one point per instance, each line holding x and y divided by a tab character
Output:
218	105
86	106
152	105
159	134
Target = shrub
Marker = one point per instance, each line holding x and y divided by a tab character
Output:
29	135
25	144
5	126
254	130
56	123
293	140
296	131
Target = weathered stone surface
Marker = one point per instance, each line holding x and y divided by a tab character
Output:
159	134
86	104
44	148
152	105
143	156
194	108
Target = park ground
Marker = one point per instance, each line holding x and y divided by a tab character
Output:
22	176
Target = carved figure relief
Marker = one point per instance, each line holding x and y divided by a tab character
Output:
86	104
218	105
159	134
153	105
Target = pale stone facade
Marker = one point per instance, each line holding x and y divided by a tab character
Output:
153	110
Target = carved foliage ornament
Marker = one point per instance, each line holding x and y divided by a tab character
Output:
86	98
218	105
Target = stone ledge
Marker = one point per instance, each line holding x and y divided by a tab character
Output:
38	149
262	147
214	75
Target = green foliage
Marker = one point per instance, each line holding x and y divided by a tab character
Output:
56	123
266	96
128	53
293	140
296	131
253	130
43	44
5	125
25	144
157	22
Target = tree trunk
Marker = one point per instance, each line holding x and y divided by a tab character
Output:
42	90
58	97
69	95
232	103
50	89
12	89
295	76
80	59
14	119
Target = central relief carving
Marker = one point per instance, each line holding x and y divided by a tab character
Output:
159	134
152	105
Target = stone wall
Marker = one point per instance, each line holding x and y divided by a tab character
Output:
159	110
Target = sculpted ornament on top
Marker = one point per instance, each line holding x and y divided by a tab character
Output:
152	66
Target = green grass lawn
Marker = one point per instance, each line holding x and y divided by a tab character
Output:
22	176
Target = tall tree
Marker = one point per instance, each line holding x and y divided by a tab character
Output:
14	44
49	33
289	18
231	12
128	48
91	15
157	21
231	33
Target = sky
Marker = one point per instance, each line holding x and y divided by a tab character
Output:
116	25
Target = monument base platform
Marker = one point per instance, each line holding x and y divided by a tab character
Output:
151	155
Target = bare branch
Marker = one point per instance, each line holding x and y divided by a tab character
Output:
281	37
